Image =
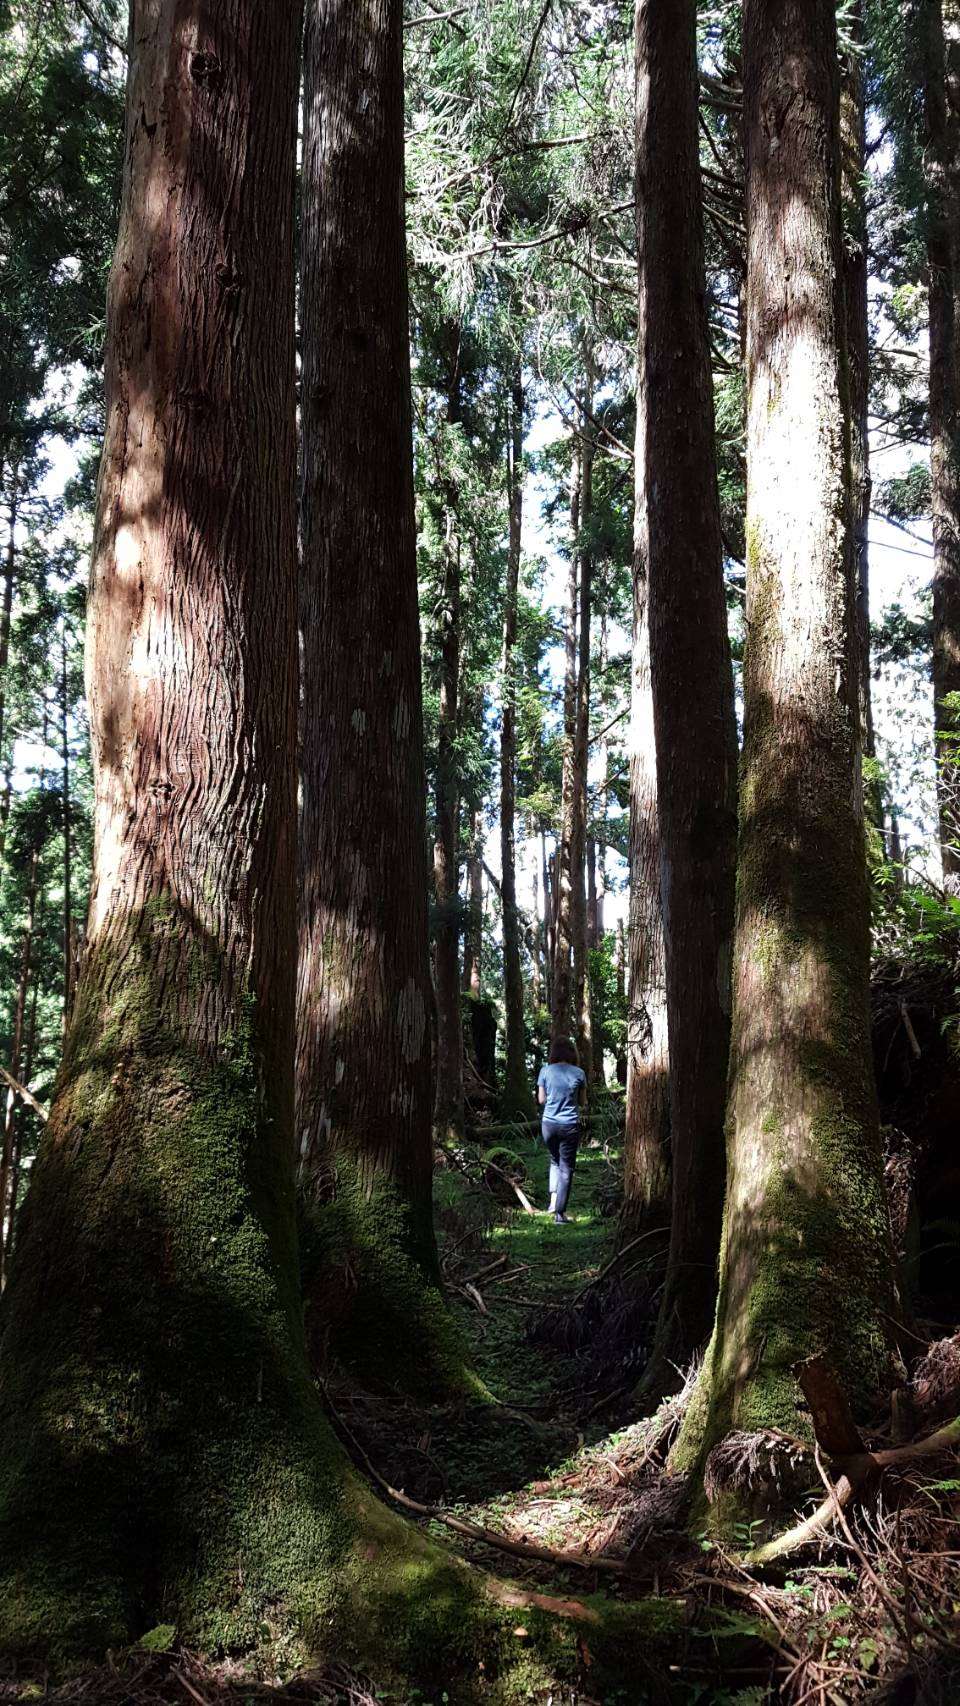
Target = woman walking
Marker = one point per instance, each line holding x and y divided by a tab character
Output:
561	1092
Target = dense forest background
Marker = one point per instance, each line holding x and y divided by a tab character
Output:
654	535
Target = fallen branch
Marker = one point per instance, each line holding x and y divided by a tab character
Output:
472	1530
524	1200
657	1231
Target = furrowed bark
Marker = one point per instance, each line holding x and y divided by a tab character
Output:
364	1081
807	1263
691	676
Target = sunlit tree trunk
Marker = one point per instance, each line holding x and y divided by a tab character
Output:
6	602
516	1093
581	980
941	100
153	1367
691	677
567	867
364	1082
646	1156
806	1264
473	927
853	167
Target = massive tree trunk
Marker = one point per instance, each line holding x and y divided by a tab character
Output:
448	1114
515	1099
807	1262
646	1138
853	166
691	676
166	1458
942	157
364	1081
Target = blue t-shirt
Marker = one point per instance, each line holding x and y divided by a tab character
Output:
562	1085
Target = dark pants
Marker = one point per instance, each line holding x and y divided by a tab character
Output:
561	1141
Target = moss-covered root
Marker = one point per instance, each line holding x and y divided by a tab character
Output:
372	1298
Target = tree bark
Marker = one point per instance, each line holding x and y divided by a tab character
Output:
516	1099
448	1116
6	604
473	932
853	165
646	1138
564	1008
691	675
16	1157
153	1368
67	825
807	1262
12	1113
942	165
581	968
364	997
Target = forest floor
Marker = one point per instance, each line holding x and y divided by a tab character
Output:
561	1464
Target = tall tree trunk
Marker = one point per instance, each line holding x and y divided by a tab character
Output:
564	1009
691	675
646	1139
11	1109
515	1099
6	603
942	160
581	968
853	166
154	1290
448	1115
364	1081
807	1263
67	823
16	1157
473	930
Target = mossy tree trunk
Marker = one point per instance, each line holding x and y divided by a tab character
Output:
165	1456
691	676
806	1264
515	1098
364	1079
646	1154
941	104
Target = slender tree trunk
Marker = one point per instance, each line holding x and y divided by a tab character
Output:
646	1140
17	1143
581	968
942	159
364	1082
691	676
473	933
853	165
154	1290
11	1110
448	1117
68	942
6	795
564	1008
516	1092
6	604
548	868
807	1262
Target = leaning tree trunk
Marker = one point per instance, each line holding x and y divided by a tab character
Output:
364	1080
942	159
691	676
165	1457
807	1261
515	1098
646	1137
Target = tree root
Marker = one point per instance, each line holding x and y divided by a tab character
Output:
838	1436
